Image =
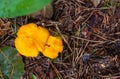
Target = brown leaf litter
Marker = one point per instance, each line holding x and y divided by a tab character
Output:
91	36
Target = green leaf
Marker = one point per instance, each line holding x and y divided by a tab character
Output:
56	78
33	76
13	8
11	66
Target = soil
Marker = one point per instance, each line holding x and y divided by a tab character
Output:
91	36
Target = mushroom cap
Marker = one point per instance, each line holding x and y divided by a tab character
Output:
53	47
31	39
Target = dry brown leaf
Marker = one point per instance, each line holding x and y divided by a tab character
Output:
96	2
4	27
46	12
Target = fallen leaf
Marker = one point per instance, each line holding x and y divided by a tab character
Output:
96	2
46	12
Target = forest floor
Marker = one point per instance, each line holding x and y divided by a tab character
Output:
90	30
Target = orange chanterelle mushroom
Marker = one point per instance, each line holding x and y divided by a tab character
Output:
32	39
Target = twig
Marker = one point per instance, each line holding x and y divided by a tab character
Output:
63	37
88	40
4	40
55	69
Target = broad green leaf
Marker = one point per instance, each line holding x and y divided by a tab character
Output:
13	8
11	66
